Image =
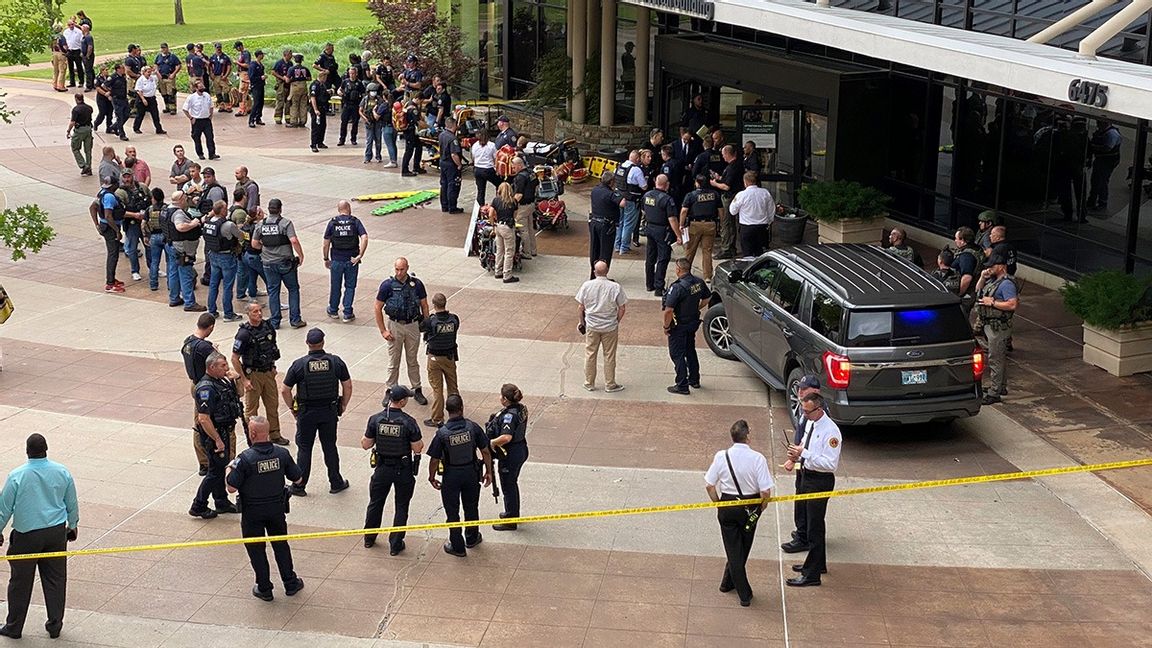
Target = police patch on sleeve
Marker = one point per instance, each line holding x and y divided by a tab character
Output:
833	442
237	344
508	418
204	394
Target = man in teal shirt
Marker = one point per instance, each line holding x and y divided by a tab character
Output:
40	500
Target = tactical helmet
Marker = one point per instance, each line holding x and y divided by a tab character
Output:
373	87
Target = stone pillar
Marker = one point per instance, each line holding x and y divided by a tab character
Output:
579	59
643	54
593	25
608	63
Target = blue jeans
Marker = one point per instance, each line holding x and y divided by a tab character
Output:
389	137
155	248
372	140
248	270
187	275
282	273
627	224
346	273
223	270
173	278
132	236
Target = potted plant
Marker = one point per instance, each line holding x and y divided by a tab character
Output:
847	212
1117	311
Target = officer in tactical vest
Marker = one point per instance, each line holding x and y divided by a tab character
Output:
318	97
682	304
440	333
254	356
628	176
258	475
967	262
662	226
403	300
323	389
996	303
700	214
221	245
195	351
281	255
454	447
345	241
394	439
506	432
607	202
217	408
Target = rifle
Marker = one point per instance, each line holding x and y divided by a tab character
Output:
492	430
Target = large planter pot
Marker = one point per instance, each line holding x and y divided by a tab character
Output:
851	230
1121	352
789	229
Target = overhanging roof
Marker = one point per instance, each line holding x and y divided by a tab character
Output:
998	60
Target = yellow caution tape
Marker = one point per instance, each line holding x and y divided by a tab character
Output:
393	195
584	515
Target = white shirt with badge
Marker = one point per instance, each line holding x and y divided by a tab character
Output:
821	443
199	105
751	471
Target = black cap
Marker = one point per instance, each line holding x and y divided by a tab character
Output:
315	336
808	381
163	45
131	46
217	46
412	58
995	259
503	118
397	393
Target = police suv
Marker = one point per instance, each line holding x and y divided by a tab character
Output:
888	342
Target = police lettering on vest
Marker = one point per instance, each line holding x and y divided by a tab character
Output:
319	384
440	334
391	442
344	236
213	240
658	206
459	446
273	233
702	205
261	351
263	468
684	298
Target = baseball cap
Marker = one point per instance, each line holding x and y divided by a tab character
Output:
503	118
808	381
217	45
275	205
126	172
412	58
315	336
131	46
397	393
238	45
163	45
988	215
995	259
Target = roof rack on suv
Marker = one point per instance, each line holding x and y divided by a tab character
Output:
866	275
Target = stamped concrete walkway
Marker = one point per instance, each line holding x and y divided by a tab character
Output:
1054	562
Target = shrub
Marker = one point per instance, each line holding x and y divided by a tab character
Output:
840	200
25	229
1109	299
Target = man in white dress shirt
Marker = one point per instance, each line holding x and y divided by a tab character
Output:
484	165
198	109
819	457
738	473
756	209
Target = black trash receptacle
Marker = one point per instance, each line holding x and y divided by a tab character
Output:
789	229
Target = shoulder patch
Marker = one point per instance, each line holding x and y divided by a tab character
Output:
833	442
204	394
508	417
237	344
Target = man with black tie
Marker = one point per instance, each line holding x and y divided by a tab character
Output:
809	384
818	456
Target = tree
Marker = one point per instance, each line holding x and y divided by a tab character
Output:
179	12
412	27
26	27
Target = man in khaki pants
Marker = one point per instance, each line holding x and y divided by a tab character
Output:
401	304
254	354
602	303
440	337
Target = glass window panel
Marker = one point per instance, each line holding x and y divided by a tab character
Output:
524	40
827	316
976	137
491	48
945	152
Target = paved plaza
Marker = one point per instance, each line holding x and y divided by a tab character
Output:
1060	561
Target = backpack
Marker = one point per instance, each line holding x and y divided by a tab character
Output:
503	161
399	117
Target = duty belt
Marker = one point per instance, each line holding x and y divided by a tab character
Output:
701	220
251	370
400	321
597	219
392	461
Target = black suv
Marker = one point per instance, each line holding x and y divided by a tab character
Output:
889	343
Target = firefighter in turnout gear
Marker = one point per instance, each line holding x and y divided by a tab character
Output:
323	389
394	439
996	303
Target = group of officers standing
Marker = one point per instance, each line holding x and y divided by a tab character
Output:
317	389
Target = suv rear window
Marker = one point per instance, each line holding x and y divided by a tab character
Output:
910	327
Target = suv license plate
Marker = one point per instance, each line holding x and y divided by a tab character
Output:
918	377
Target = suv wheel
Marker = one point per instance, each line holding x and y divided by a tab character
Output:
717	333
792	393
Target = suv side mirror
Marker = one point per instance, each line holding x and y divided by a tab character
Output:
735	275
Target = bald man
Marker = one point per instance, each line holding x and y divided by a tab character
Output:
345	241
251	189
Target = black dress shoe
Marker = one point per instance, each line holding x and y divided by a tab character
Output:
261	594
9	631
694	385
452	552
799	569
746	602
503	527
473	543
54	630
297	491
432	424
213	157
726	588
419	397
294	588
990	399
203	471
802	581
395	549
369	543
339	488
795	547
206	513
226	507
676	390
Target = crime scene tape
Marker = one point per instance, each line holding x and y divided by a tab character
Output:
584	515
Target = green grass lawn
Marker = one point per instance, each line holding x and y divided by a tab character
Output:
150	22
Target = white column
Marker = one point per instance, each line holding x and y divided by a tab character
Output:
608	62
579	59
643	52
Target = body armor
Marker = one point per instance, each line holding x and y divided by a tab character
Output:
319	384
262	351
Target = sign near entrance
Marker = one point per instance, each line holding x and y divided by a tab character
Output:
1088	93
694	8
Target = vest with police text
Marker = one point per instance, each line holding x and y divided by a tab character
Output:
273	233
214	240
459	446
391	438
344	236
264	466
441	336
319	386
706	205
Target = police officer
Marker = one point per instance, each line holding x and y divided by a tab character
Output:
450	164
326	63
298	77
506	431
133	65
254	356
195	351
996	304
258	475
629	177
168	65
280	113
394	439
455	446
281	254
345	241
606	205
413	149
351	94
682	304
700	214
673	167
323	389
318	97
118	89
217	408
662	226
221	245
404	300
440	331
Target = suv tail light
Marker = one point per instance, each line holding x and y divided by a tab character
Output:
838	369
978	364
